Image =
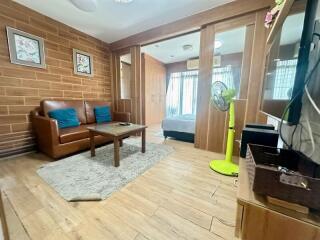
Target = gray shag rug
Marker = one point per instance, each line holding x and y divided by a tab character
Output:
82	178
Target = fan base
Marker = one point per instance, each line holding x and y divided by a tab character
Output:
225	167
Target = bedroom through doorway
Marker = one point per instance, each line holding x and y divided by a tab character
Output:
170	70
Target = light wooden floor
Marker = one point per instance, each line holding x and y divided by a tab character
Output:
179	198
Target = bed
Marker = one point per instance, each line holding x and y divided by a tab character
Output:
180	127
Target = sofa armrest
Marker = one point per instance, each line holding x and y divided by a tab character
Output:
121	116
47	133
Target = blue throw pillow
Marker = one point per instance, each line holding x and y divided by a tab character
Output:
66	117
103	114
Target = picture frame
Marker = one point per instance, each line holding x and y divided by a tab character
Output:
82	63
25	48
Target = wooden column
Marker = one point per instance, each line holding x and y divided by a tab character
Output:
246	61
116	81
257	69
134	104
204	86
136	87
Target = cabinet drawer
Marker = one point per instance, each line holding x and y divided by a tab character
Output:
264	224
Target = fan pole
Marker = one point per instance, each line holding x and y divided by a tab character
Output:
226	166
230	140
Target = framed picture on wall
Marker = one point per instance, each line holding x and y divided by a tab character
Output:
25	49
82	63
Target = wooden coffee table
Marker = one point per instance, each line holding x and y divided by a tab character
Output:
117	132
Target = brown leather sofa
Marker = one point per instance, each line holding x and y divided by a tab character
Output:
58	143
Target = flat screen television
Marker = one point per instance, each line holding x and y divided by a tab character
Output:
287	63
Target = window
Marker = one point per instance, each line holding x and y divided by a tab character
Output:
182	94
284	79
229	75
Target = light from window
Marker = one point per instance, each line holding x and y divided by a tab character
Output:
284	79
226	75
182	94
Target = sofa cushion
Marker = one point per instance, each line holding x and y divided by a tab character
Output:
103	114
90	105
66	117
67	135
78	105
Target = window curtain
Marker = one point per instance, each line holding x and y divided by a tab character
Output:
182	94
225	75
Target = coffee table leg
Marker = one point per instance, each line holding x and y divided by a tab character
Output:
116	160
120	142
143	139
92	144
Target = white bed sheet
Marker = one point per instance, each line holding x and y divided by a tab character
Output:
183	123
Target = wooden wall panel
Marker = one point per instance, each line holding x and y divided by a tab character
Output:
216	130
204	86
143	90
246	61
22	88
136	89
257	69
155	89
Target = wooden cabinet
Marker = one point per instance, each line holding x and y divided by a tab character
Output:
155	89
257	219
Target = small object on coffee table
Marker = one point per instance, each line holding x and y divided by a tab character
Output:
124	124
118	133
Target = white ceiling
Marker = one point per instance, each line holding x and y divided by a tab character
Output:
171	50
113	21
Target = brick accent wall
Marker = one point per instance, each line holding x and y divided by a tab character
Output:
22	88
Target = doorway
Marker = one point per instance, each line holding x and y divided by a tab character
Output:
231	52
170	70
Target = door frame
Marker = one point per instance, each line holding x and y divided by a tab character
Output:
211	125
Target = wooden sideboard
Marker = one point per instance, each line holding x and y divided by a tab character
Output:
257	219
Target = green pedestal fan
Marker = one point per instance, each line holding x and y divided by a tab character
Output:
222	98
